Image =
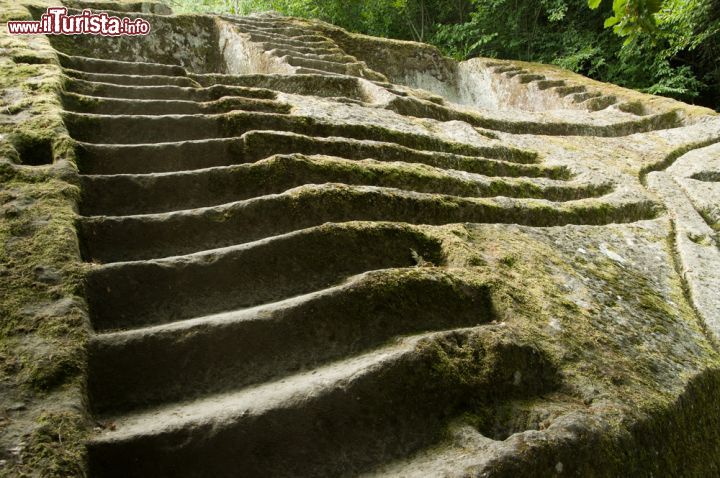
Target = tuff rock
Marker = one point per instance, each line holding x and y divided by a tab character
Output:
264	246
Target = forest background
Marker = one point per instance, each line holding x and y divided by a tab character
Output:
663	47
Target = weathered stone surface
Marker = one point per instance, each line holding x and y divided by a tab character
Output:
314	253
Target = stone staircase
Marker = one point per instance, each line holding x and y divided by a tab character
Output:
231	306
585	98
267	285
308	51
232	326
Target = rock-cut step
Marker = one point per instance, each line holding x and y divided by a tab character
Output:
111	159
599	103
123	106
122	238
344	68
340	419
271	45
165	92
163	192
104	66
303	40
132	80
143	293
227	351
335	57
144	129
336	420
321	85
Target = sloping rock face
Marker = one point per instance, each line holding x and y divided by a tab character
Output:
313	253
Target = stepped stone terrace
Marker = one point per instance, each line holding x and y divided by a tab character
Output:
263	246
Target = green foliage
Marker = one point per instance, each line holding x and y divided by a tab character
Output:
666	47
631	17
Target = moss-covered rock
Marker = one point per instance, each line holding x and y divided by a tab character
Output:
349	252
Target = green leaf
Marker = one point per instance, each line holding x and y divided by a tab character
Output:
620	7
593	4
611	21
